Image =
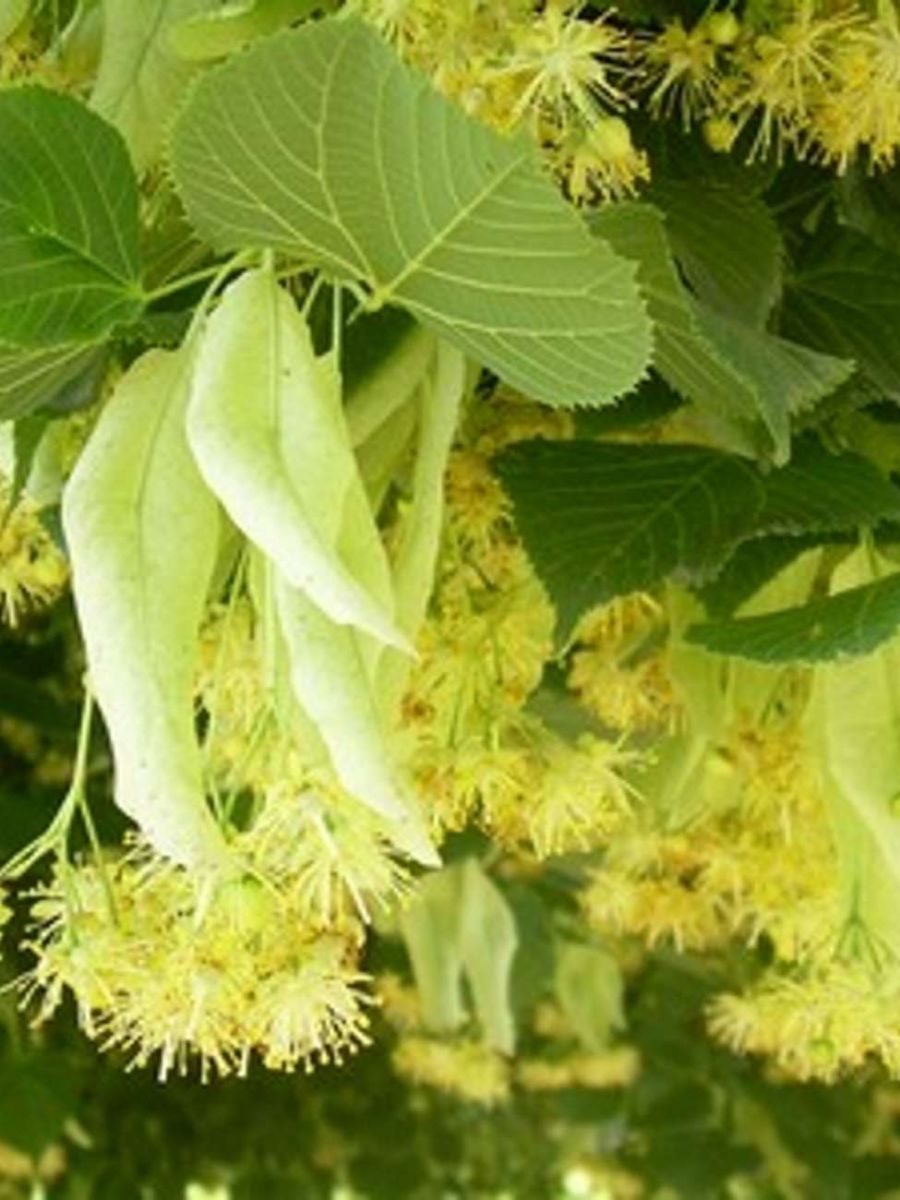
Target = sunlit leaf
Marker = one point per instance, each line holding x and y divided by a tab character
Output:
283	147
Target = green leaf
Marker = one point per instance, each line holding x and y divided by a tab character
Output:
142	530
69	259
282	463
753	564
785	378
32	378
845	299
488	940
844	625
590	990
739	377
603	520
140	80
216	34
283	147
726	243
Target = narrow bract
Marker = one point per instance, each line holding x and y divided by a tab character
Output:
270	440
142	530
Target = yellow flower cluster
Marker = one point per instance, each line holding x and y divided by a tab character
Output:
464	1068
817	1022
820	76
614	1068
478	753
33	570
618	669
163	965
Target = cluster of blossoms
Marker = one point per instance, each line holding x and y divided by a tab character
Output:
33	569
704	837
821	77
165	966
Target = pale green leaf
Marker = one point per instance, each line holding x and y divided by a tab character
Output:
590	990
854	726
231	27
321	144
416	554
488	940
140	79
331	677
267	430
142	531
431	924
69	247
12	14
458	927
390	383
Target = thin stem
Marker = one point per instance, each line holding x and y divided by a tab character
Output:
185	281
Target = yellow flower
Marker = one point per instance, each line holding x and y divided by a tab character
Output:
464	1068
170	967
819	1022
33	570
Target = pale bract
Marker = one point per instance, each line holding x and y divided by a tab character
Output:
268	433
142	530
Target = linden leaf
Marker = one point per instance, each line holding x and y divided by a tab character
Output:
321	144
69	242
844	625
32	377
600	520
142	530
740	377
268	433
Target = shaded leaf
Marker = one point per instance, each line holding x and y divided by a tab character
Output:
283	147
846	299
30	379
738	376
726	242
844	625
601	520
753	564
37	1095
